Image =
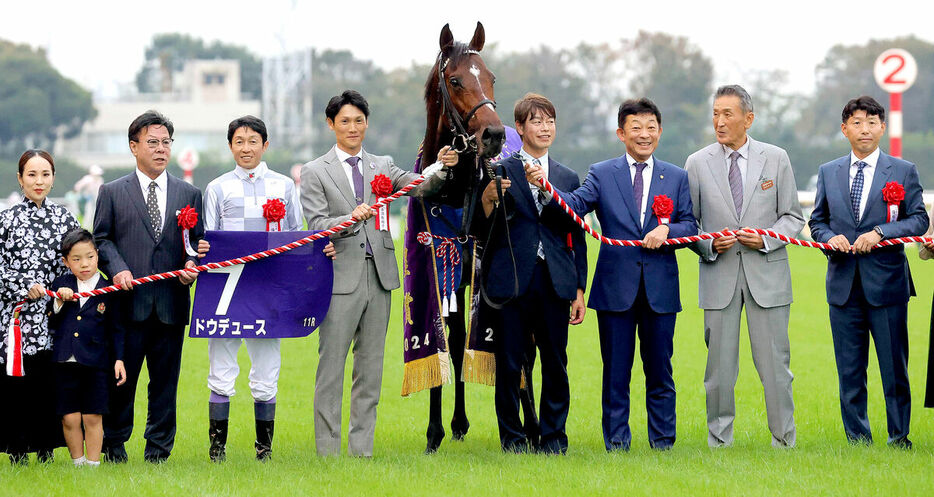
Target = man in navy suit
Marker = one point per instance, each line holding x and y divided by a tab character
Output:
868	287
636	288
137	234
541	278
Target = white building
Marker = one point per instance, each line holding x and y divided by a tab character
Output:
205	99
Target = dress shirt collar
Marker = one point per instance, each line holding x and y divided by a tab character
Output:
343	156
743	150
527	157
632	162
161	181
258	172
89	284
871	160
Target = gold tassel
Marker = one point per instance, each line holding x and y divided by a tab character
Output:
427	372
479	367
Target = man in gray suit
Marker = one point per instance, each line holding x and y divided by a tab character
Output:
742	183
335	188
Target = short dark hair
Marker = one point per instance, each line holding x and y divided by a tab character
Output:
634	107
348	97
745	101
74	237
864	103
254	123
35	152
531	103
146	119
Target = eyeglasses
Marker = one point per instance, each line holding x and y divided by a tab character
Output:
154	144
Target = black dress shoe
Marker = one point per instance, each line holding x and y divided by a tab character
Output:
115	454
19	458
156	459
901	443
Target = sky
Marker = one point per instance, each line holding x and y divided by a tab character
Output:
101	44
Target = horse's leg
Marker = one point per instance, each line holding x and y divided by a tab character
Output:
457	336
527	399
435	425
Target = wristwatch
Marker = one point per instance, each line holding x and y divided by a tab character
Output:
878	230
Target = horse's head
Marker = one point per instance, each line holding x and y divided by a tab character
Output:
466	92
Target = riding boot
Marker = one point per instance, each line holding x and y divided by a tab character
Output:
218	414
265	425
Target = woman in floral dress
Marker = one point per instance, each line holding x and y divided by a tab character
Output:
30	236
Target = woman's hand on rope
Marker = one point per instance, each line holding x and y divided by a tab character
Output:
36	291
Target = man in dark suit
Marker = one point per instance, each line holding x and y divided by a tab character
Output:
868	287
637	287
136	231
541	276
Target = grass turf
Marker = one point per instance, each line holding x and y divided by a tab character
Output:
823	463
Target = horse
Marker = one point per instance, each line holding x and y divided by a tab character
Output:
460	112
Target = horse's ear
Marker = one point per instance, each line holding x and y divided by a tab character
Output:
447	39
479	37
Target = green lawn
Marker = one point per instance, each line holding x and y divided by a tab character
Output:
823	463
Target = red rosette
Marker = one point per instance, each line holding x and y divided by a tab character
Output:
187	217
893	192
274	211
662	206
381	186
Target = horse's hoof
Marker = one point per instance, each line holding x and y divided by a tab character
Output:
432	446
459	428
435	436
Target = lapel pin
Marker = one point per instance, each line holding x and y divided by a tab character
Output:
372	166
661	176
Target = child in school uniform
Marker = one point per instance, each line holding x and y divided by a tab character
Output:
87	346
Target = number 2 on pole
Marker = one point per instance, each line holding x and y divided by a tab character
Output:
890	79
234	271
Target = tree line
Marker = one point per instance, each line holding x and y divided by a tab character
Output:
586	83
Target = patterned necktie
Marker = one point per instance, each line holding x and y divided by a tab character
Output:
358	189
856	191
155	216
537	194
736	183
637	186
539	198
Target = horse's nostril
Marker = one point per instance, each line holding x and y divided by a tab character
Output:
494	134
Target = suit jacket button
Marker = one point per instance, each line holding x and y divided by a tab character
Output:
362	245
79	318
76	334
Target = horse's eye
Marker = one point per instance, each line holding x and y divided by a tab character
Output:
492	79
456	83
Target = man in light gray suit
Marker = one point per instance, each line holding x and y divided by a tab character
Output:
335	188
742	183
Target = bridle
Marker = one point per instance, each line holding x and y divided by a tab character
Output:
462	141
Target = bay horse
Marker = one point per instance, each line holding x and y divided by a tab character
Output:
460	105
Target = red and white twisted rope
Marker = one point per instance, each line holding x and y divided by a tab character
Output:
14	339
710	236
